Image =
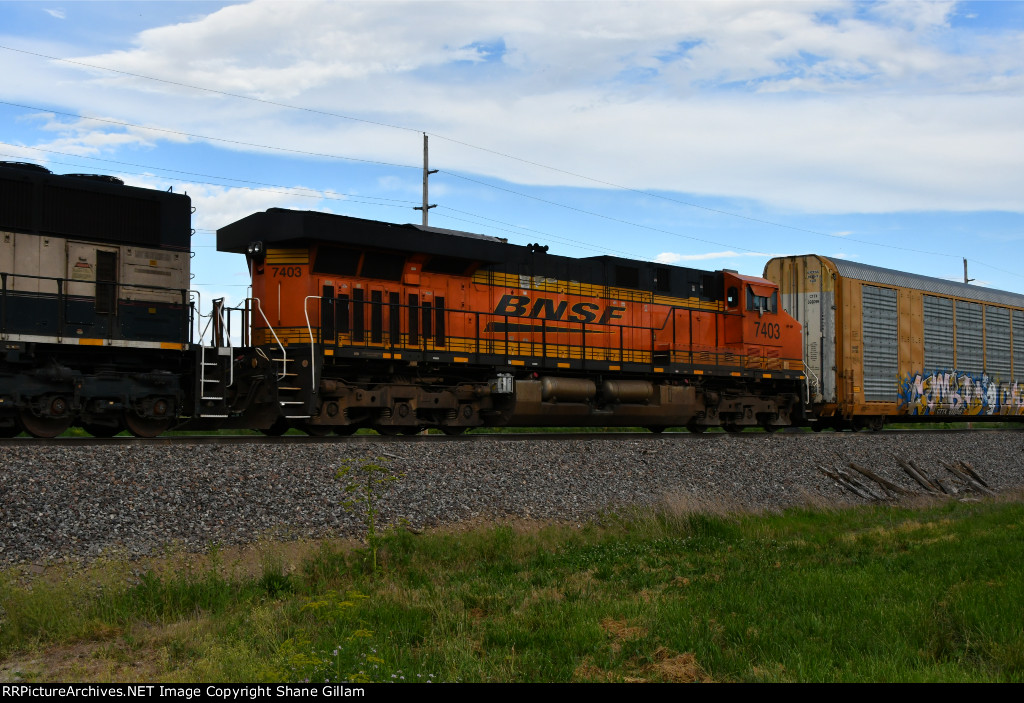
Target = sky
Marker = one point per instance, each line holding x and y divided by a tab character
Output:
706	134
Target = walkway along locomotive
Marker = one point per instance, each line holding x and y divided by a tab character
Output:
357	323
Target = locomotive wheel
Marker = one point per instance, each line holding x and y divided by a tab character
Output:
50	425
44	427
279	427
145	427
97	430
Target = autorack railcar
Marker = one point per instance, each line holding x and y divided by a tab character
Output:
881	345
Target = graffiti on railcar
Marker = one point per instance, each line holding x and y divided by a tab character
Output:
959	393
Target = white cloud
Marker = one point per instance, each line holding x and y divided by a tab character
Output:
669	257
59	14
817	106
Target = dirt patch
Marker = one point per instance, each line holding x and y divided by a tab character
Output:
677	668
622	631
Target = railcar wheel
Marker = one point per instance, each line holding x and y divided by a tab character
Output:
345	430
279	427
388	430
411	430
453	431
817	427
10	430
97	430
656	429
50	425
145	427
695	428
732	428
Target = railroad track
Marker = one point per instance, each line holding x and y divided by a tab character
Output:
681	435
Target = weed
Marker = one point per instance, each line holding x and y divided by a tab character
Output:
364	483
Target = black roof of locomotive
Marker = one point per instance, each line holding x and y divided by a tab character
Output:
93	208
278	226
281	228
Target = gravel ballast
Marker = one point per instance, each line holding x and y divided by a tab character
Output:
70	502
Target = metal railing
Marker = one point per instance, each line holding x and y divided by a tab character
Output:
68	310
399	327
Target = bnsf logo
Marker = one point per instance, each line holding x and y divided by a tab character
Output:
522	306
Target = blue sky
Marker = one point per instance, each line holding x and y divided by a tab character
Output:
708	134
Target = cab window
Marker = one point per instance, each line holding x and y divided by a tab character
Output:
762	303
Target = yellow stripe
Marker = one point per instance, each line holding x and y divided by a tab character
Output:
698	372
590	290
563	365
287	256
460	359
614	368
517	362
91	342
170	345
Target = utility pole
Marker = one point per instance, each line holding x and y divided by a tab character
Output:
426	174
966	279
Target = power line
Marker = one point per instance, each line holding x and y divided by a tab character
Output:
201	136
487	150
455	141
211	90
313	193
287	190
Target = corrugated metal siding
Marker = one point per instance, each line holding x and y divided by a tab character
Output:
876	274
997	343
881	342
969	338
15	205
938	334
1018	345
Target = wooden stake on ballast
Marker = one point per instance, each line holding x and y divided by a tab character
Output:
426	174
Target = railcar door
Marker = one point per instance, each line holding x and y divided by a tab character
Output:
92	283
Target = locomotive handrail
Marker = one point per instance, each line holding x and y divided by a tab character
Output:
63	298
494	333
312	343
284	354
197	308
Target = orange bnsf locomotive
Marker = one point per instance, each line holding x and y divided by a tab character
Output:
357	323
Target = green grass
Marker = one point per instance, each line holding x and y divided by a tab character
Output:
868	594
